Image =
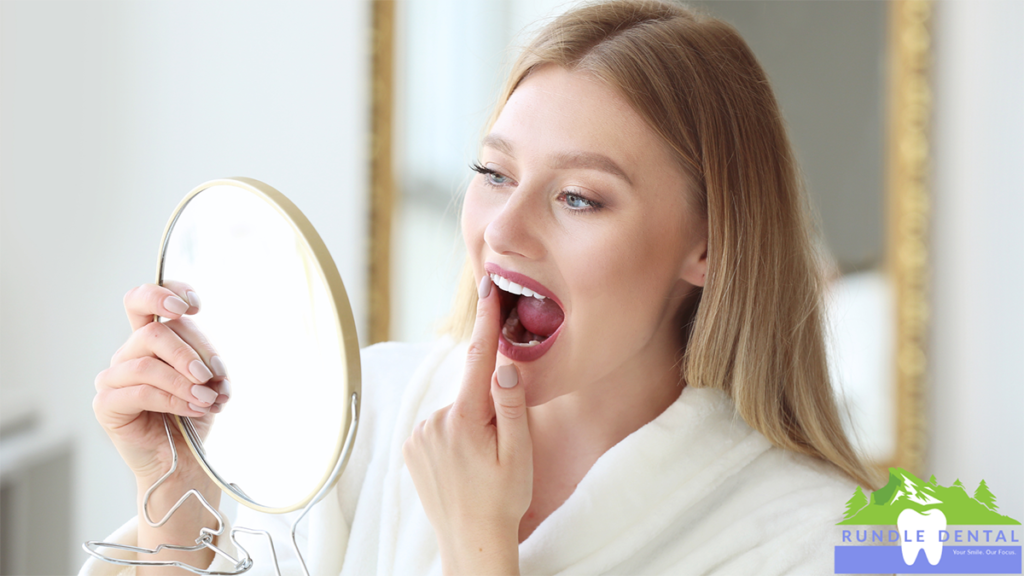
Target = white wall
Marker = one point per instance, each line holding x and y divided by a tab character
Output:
977	381
110	112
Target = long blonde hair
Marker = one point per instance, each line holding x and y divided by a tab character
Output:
756	329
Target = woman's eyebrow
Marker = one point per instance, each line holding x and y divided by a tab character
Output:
590	161
498	143
586	160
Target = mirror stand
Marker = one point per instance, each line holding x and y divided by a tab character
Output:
206	536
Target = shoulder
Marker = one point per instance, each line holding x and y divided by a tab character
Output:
806	478
389	368
796	504
386	370
387	357
390	364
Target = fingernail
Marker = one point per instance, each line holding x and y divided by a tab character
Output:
175	305
216	408
224	388
485	286
200	409
204	395
200	371
508	377
193	298
218	366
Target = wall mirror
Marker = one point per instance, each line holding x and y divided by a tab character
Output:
851	78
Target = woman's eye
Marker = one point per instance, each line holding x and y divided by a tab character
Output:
578	203
491	177
496	179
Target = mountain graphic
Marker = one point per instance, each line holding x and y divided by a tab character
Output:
906	491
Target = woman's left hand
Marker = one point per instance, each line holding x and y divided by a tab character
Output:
472	461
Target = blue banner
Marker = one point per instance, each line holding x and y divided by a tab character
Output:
955	560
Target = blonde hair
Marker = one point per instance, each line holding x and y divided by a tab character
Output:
756	330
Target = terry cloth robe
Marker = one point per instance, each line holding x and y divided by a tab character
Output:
695	491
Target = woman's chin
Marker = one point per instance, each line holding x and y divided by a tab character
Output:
536	371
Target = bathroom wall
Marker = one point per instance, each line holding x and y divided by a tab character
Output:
110	112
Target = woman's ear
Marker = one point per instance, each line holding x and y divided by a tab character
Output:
695	265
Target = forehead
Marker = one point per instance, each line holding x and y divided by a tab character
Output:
555	112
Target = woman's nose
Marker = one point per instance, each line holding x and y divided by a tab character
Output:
515	228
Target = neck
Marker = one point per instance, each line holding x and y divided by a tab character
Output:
595	417
572	431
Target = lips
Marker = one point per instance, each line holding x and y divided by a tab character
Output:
507	348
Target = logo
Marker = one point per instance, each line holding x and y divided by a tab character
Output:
914	527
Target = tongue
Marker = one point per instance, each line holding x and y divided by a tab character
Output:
542	317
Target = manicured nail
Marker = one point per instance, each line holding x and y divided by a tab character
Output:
218	367
204	395
507	376
193	298
224	388
200	371
216	408
199	409
175	305
485	287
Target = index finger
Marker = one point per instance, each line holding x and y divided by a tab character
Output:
171	300
474	397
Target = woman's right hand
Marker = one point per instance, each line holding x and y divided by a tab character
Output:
164	367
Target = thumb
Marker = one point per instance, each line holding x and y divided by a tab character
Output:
514	443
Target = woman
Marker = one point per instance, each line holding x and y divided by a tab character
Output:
645	388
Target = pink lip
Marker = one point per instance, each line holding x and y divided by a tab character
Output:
516	353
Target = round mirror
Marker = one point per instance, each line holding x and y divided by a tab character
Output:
274	307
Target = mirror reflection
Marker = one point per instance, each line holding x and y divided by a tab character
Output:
267	311
827	62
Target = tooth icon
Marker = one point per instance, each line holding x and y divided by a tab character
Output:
921	532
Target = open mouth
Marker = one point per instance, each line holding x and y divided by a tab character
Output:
530	320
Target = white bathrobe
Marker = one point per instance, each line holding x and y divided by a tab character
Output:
695	491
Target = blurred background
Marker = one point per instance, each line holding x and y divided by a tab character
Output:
111	111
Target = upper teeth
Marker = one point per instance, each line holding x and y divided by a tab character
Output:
509	286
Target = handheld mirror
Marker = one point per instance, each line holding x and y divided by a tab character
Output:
274	308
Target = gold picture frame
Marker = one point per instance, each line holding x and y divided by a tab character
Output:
382	182
908	152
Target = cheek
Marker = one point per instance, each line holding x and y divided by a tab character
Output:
627	276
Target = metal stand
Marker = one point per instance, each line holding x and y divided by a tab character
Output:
207	535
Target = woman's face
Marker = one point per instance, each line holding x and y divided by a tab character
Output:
580	199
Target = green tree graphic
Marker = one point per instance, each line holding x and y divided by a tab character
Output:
985	496
856	502
885	505
933	481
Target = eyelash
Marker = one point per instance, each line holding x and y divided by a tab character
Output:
594	206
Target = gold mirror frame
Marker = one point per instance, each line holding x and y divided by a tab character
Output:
907	205
346	326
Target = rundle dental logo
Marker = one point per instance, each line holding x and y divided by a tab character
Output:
913	527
